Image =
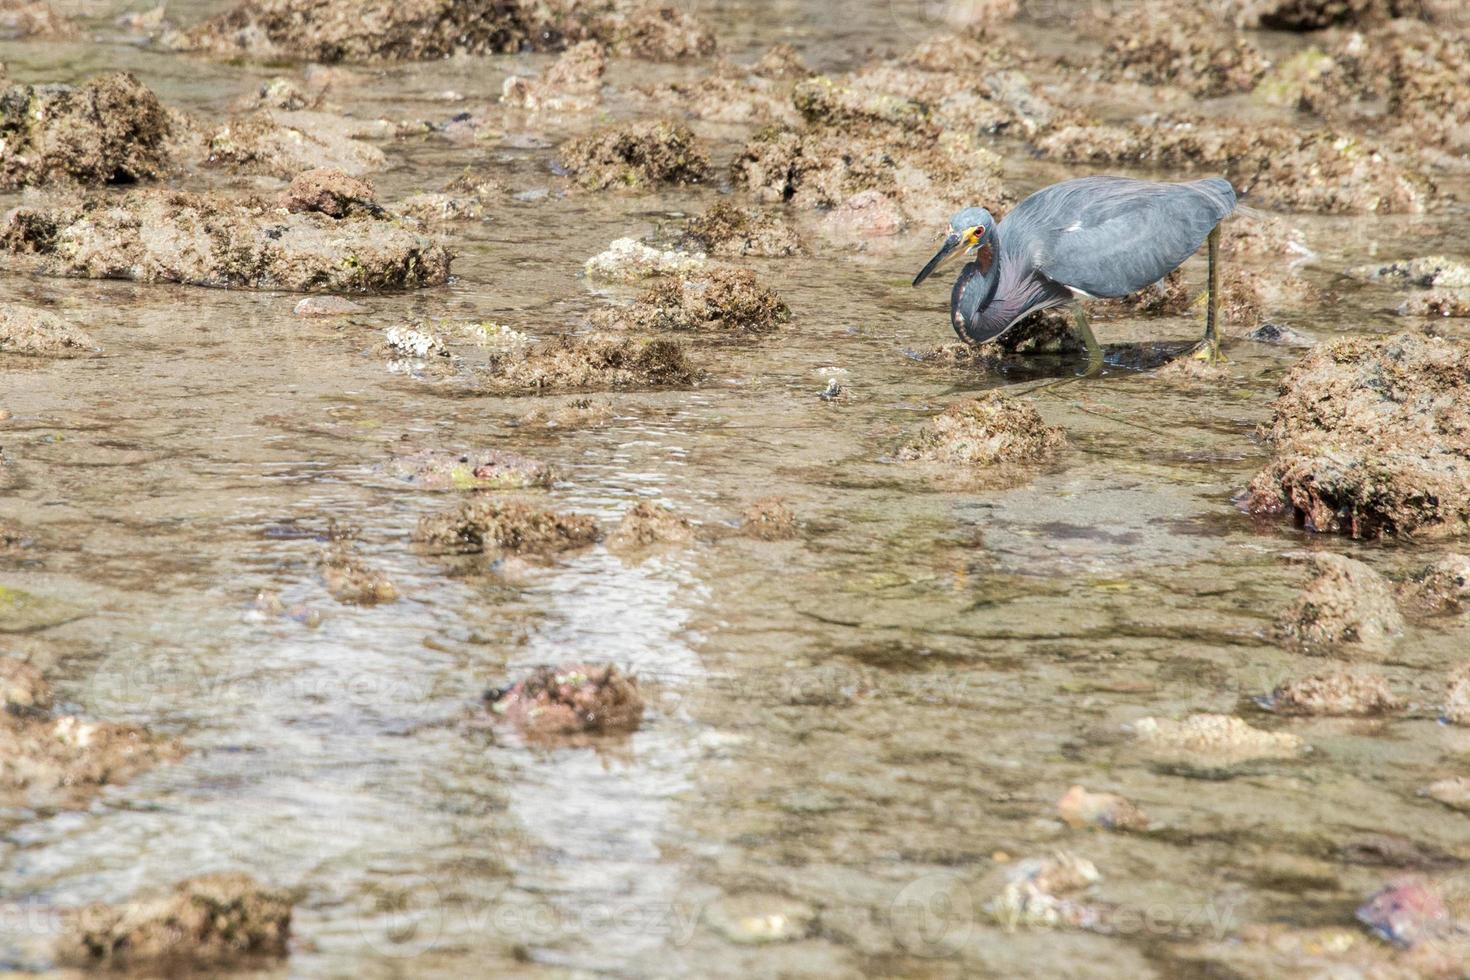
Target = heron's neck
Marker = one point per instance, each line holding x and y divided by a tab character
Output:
974	291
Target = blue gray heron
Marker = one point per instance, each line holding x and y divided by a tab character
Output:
1092	237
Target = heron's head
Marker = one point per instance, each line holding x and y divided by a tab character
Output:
969	231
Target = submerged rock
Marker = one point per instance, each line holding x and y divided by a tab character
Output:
60	760
723	300
1443	587
629	260
731	231
769	519
1044	893
751	918
351	580
593	361
1439	303
572	699
326	306
1207	744
648	525
1371	437
262	143
1338	692
1405	912
1280	334
109	130
639	154
212	240
573	82
22	688
1457	696
38	333
210	922
1109	811
985	431
1453	792
488	525
486	469
345	30
573	413
1347	604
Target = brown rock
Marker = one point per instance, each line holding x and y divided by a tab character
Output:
636	155
1109	811
731	231
230	243
492	526
769	519
1338	692
352	580
572	699
109	130
329	192
485	469
1347	605
646	525
593	361
985	431
1371	437
208	922
22	688
38	333
724	300
1457	696
1443	587
1164	45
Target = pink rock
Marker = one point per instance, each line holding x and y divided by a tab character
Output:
867	214
1405	912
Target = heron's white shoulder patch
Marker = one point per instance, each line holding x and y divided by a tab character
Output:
1074	226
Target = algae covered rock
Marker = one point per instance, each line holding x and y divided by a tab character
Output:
1443	587
329	192
1371	437
639	154
109	130
1185	48
984	431
486	469
351	580
571	699
731	231
210	922
723	300
597	360
220	241
418	30
38	333
1211	745
648	525
1338	692
1346	605
488	525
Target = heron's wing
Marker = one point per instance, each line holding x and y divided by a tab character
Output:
1111	236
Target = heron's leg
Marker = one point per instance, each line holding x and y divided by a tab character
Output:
1209	350
1084	334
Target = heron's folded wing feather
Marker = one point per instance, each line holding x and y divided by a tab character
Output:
1118	245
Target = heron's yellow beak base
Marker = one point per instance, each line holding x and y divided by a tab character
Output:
957	242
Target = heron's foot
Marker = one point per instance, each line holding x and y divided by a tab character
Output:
1208	352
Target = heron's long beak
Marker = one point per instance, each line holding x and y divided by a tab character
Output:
951	245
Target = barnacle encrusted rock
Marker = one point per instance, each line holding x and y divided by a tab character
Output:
571	699
216	240
724	300
985	431
597	360
637	154
212	922
1347	605
490	525
109	130
1371	437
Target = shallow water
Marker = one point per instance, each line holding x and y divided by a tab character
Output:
867	722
